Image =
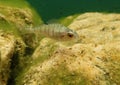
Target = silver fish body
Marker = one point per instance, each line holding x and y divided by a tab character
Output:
56	31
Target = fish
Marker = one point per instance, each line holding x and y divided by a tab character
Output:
55	31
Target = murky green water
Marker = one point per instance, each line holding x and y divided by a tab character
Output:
50	9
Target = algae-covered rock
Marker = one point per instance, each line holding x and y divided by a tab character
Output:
19	12
16	15
7	46
13	49
16	18
80	64
93	60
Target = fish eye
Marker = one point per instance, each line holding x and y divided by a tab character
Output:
70	34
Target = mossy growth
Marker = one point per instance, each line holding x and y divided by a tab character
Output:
45	53
63	20
55	76
62	76
8	27
12	12
26	63
113	65
21	4
67	20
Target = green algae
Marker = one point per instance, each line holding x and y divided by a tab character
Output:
21	4
62	76
9	24
55	76
67	20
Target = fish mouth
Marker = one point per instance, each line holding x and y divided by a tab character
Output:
76	35
76	38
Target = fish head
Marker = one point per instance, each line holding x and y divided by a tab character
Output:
69	35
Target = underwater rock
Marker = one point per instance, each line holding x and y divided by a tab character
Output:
95	21
46	46
93	60
7	46
20	17
97	28
12	46
77	64
12	50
